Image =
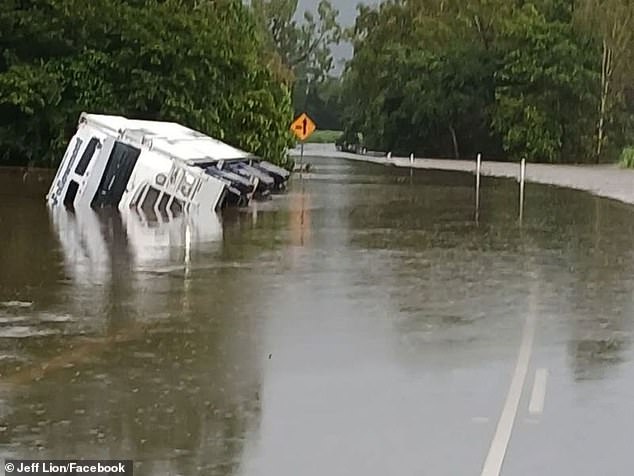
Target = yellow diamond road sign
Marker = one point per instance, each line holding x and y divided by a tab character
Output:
303	127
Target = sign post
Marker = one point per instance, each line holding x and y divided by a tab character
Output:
303	127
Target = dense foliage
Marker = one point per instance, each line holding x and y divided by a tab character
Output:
550	80
201	63
507	78
322	100
303	48
302	52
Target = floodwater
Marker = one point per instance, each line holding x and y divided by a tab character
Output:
362	324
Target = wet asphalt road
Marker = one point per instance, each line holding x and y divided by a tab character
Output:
363	324
608	180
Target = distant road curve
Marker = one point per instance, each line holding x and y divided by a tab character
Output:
607	181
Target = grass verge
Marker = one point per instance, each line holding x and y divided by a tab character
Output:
324	137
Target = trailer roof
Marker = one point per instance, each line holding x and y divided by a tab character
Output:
167	137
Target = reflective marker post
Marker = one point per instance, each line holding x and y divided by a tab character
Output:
478	172
522	181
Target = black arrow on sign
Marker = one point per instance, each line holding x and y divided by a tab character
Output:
305	125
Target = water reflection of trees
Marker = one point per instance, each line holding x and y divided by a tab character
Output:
591	240
31	276
164	366
29	259
444	272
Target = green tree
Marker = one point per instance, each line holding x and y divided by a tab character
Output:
612	23
322	100
304	48
545	89
203	66
301	52
421	79
512	78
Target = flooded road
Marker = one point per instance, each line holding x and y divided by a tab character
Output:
362	324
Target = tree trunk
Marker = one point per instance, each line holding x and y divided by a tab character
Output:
606	73
456	150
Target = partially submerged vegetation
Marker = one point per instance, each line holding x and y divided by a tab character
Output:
627	158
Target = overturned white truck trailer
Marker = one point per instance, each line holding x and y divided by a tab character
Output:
157	168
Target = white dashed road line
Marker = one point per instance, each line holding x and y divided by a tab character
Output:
538	397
